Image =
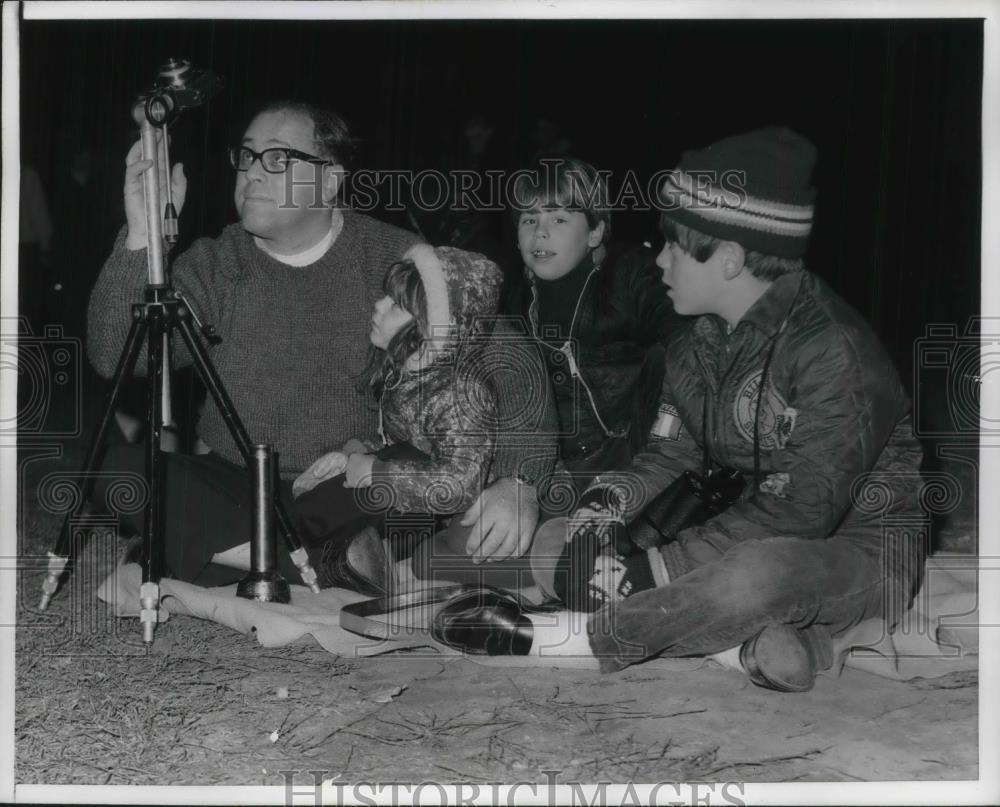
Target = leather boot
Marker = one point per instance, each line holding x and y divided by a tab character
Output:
787	659
484	622
359	564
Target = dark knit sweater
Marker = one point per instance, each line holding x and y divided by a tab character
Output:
623	318
293	338
557	302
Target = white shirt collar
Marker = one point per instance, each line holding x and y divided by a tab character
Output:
313	253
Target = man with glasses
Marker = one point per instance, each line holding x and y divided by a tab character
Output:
290	290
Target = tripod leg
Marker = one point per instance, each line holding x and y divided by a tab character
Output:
242	438
59	555
152	567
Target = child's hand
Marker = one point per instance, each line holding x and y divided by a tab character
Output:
354	446
359	470
326	467
503	521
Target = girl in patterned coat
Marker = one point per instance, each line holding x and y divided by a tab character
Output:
437	415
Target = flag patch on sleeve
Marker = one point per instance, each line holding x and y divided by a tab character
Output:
667	425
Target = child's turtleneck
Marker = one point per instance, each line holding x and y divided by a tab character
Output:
557	299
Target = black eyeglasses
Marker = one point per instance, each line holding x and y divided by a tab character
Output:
274	161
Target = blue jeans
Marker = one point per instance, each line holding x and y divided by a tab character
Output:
829	584
719	605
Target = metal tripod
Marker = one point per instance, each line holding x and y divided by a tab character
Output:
162	311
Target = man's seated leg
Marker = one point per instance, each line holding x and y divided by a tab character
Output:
444	558
546	552
207	510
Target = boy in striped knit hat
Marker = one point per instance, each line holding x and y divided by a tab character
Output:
779	378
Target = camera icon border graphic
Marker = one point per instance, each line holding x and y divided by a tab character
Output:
47	366
76	625
79	626
442	494
960	363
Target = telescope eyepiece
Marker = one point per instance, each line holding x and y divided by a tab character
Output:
159	109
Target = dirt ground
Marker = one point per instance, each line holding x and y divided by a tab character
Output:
206	705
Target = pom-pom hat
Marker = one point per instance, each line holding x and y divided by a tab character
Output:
751	188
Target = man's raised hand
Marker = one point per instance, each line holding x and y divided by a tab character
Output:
135	204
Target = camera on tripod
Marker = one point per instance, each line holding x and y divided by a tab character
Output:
178	86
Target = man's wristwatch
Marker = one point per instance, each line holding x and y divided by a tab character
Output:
527	484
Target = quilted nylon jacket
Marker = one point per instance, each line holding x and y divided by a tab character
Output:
837	451
446	409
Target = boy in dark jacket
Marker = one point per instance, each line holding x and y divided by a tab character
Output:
598	317
597	312
780	379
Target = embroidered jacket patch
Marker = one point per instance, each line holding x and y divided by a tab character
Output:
775	484
784	425
667	425
777	419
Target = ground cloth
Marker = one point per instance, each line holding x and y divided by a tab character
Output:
939	635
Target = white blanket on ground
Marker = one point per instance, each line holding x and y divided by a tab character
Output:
939	635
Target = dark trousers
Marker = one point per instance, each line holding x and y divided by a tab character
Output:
331	513
208	505
445	557
207	509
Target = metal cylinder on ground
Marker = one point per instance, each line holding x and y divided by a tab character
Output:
263	582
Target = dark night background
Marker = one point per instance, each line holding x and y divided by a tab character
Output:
894	107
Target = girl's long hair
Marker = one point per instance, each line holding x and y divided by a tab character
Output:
403	284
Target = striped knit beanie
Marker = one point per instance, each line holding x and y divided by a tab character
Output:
751	188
